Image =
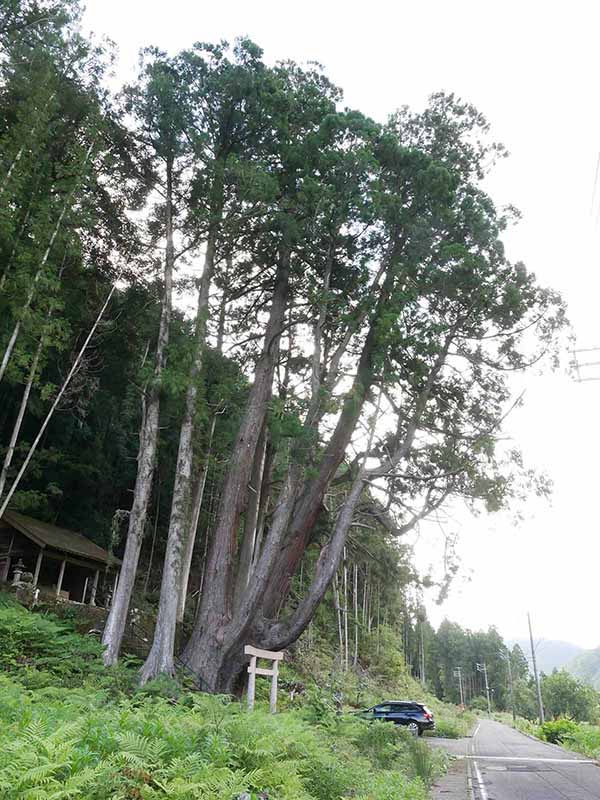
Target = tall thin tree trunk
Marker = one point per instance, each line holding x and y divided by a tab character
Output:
345	575
117	618
198	492
355	597
264	495
54	406
13	338
24	401
336	603
19	421
13	251
161	656
378	617
197	498
21	150
153	544
364	601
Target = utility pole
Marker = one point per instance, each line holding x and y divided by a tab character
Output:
483	668
535	673
506	654
458	674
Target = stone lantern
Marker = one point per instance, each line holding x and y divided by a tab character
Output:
17	572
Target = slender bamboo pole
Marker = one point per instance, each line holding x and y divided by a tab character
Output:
345	573
56	402
355	598
14	336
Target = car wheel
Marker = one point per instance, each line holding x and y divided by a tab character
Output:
414	729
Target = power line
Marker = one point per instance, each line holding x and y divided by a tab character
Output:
579	365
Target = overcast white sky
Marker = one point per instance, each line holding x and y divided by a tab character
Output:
532	69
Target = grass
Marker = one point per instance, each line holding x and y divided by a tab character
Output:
71	730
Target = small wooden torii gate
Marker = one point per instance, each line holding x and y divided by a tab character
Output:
275	657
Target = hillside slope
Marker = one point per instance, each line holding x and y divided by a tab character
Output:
551	653
586	667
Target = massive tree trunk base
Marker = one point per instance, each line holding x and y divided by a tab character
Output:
222	670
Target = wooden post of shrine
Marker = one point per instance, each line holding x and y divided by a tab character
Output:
253	671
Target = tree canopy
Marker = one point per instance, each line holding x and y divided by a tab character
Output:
357	317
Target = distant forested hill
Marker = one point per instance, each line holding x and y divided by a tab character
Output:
551	653
586	667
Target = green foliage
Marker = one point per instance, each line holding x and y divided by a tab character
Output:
77	744
478	703
42	648
584	739
449	729
565	696
557	730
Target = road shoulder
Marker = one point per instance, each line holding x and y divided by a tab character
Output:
454	784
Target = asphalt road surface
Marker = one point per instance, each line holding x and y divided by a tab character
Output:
503	764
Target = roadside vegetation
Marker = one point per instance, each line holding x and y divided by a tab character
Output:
572	711
255	468
69	728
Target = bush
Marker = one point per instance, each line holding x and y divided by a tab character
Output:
423	761
479	703
557	730
586	740
58	742
448	729
33	640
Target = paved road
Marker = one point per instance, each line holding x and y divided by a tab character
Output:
506	765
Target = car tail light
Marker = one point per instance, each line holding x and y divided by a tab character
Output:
428	715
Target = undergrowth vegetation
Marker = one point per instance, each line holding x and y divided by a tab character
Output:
580	737
71	730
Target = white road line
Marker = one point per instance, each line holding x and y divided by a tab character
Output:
470	788
533	760
480	784
476	730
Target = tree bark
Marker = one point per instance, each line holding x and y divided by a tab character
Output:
338	611
117	618
355	598
161	656
216	604
153	543
198	492
265	494
197	498
251	519
345	574
282	634
309	504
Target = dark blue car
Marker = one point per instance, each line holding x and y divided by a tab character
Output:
414	716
